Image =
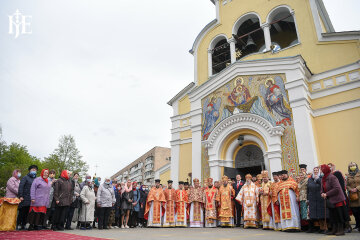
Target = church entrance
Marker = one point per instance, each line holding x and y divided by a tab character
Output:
249	159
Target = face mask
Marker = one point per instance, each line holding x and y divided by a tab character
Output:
76	180
88	180
107	183
353	168
19	175
137	188
33	173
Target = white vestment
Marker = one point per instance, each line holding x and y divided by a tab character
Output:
294	222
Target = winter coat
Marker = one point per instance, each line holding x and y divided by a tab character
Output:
24	190
40	191
105	196
143	197
354	182
316	202
87	211
117	203
63	192
136	199
126	204
333	190
12	187
76	196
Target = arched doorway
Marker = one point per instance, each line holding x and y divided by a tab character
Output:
248	159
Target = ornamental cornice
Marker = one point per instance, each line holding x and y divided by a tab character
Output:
243	118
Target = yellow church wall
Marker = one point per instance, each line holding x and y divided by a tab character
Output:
165	176
184	105
338	138
319	57
337	98
185	161
316	139
185	134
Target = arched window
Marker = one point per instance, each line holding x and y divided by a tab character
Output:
282	28
221	57
249	36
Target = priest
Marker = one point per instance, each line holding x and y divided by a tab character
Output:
154	208
210	204
170	197
265	201
287	193
224	199
196	201
248	197
181	199
275	208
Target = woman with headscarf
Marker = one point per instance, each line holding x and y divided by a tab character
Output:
87	211
75	202
353	188
316	203
105	201
9	204
127	206
63	196
24	195
40	191
335	200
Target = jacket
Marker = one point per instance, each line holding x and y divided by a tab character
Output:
40	191
63	192
316	202
105	196
24	190
333	189
12	187
354	182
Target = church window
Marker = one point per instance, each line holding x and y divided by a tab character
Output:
220	56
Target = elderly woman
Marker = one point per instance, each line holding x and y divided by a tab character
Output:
9	204
63	197
87	196
353	188
105	201
316	203
40	191
335	201
24	195
75	202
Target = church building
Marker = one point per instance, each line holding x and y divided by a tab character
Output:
274	86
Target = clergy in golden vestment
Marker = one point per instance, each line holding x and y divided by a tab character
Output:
181	214
265	201
196	201
287	193
210	204
170	197
224	199
275	208
248	197
154	208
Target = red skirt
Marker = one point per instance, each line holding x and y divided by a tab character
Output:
41	209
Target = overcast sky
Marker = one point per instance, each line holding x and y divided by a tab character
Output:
103	71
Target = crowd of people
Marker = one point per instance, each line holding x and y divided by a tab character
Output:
321	201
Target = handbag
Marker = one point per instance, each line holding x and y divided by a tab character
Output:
353	196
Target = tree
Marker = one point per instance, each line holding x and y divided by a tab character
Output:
66	156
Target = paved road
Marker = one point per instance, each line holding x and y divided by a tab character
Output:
205	233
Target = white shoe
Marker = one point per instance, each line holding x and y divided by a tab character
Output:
122	226
126	226
115	227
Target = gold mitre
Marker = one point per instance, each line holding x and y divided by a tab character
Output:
210	180
265	173
196	180
259	176
248	176
224	178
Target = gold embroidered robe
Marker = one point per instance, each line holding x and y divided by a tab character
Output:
224	198
170	197
210	206
155	197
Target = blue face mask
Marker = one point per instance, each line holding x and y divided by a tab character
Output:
137	188
33	173
19	175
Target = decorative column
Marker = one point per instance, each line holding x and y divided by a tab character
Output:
266	29
232	42
210	72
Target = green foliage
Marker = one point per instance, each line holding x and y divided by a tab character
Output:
16	156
